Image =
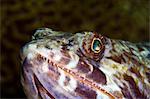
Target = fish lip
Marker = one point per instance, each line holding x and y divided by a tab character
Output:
40	88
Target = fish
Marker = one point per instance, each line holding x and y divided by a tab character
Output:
84	65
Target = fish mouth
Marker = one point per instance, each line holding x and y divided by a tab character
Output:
75	75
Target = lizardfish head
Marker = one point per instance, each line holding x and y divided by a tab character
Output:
67	65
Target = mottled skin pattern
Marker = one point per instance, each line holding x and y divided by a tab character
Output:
84	65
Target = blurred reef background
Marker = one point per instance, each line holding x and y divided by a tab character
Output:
118	19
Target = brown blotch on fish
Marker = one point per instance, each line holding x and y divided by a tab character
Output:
126	92
148	75
85	91
83	67
97	76
66	82
127	54
134	89
53	74
131	50
53	71
135	71
135	61
65	59
118	59
140	49
132	59
117	94
40	58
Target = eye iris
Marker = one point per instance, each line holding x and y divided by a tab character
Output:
96	45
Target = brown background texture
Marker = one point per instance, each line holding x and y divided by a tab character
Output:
118	19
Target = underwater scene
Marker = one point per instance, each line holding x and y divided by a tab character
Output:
75	49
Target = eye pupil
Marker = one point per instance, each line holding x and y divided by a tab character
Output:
96	45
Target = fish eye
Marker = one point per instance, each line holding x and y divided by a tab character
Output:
96	45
